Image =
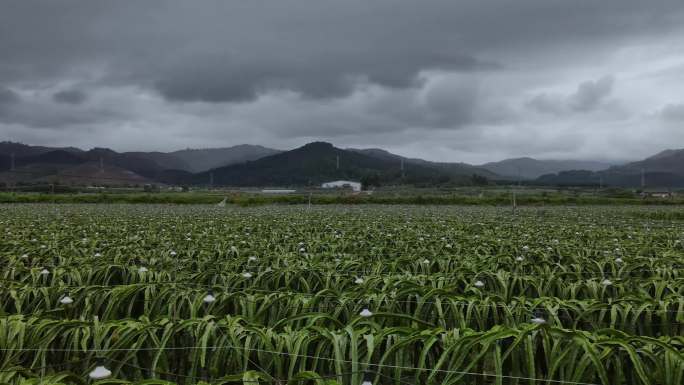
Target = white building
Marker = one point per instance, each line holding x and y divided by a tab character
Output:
356	186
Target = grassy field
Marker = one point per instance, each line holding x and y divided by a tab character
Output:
327	295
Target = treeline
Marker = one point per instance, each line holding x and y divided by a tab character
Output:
246	199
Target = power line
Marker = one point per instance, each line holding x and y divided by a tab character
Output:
379	366
176	375
418	369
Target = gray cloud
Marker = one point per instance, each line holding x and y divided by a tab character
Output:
591	93
7	96
69	96
549	104
588	97
8	100
218	78
673	113
48	109
233	51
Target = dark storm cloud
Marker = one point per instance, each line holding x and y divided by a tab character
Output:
218	79
69	97
588	97
7	96
591	93
50	110
231	51
8	99
235	50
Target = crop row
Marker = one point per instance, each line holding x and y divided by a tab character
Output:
217	347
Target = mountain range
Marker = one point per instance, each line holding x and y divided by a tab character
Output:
311	164
529	168
198	160
318	162
665	169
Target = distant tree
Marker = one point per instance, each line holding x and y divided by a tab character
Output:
151	188
372	180
479	180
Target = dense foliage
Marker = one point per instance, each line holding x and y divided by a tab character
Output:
409	295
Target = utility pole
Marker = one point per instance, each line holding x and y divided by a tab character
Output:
513	200
402	168
12	179
643	178
338	162
211	179
101	165
514	203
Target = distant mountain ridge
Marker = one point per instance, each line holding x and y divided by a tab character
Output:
199	160
668	161
450	168
662	170
194	160
33	163
164	160
311	164
530	168
21	150
318	162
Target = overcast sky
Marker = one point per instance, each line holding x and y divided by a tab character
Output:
452	80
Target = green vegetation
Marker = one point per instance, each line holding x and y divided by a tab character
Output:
484	197
421	295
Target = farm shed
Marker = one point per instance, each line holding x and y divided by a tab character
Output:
356	186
